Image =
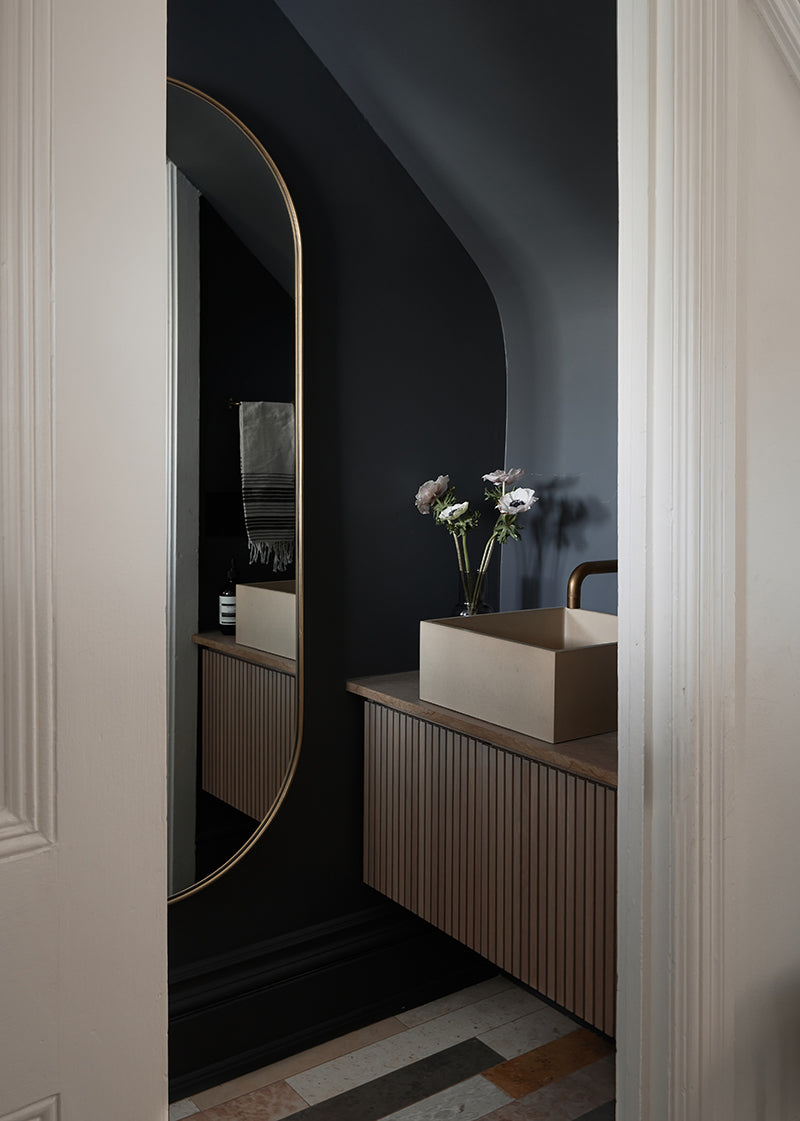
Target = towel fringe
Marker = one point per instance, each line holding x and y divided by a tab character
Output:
280	553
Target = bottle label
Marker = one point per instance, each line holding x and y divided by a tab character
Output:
227	611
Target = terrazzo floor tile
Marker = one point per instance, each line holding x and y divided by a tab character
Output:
381	1058
181	1109
270	1104
294	1064
468	1101
574	1098
554	1060
411	1086
434	1008
529	1031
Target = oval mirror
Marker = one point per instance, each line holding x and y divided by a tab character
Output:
235	487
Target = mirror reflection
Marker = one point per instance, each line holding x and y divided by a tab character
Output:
233	557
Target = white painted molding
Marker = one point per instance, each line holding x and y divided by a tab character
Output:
677	521
27	803
39	1111
782	17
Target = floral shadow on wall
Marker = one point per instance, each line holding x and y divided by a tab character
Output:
560	528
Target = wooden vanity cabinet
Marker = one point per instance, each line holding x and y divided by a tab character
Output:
247	723
506	843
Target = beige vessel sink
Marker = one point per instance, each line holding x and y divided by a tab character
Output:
550	673
266	617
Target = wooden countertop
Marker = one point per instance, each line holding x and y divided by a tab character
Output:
227	644
594	757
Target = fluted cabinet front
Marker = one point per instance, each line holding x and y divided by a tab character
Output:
248	731
512	857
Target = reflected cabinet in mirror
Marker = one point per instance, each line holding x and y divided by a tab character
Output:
235	489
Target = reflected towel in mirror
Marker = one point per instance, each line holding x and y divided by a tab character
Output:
267	443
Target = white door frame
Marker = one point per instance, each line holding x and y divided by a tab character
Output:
682	476
677	401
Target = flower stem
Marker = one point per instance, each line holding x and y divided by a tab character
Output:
474	599
461	569
458	553
466	552
476	591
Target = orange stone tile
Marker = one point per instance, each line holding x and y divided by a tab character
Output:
567	1099
537	1068
272	1103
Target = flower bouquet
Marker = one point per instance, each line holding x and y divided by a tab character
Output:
438	497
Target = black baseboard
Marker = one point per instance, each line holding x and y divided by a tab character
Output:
233	1014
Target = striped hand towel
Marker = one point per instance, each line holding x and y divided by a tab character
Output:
266	431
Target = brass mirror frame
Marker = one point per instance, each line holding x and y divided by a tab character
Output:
184	893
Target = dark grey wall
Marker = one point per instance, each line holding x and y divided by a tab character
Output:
505	114
394	310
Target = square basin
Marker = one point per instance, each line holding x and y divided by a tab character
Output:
266	617
550	673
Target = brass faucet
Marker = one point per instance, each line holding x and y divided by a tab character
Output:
588	568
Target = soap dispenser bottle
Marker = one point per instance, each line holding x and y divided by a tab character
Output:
227	602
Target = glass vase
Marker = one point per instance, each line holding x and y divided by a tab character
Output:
471	599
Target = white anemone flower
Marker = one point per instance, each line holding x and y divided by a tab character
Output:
509	476
517	501
430	490
450	513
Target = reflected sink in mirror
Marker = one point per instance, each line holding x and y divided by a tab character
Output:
550	673
266	617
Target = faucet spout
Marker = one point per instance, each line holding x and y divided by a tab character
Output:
579	574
